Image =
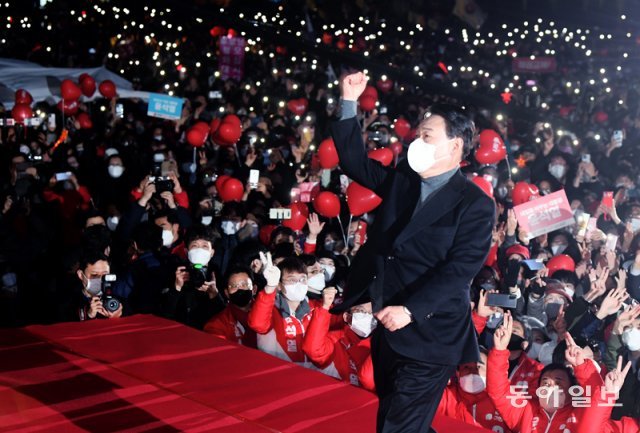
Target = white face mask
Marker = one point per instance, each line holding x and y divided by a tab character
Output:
112	222
363	324
421	155
329	271
230	227
295	292
94	286
557	170
558	249
545	356
206	220
631	339
473	383
115	171
554	398
534	351
199	256
167	238
316	283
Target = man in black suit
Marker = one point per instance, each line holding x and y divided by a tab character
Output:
431	236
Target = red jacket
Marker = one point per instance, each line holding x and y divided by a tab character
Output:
278	336
474	409
341	354
231	324
527	372
530	417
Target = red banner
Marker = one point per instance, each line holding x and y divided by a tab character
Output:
540	64
544	214
231	62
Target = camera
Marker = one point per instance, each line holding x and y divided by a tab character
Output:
162	183
109	303
197	276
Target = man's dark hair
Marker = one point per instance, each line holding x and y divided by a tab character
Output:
293	264
237	269
172	216
557	366
147	236
457	122
200	231
283	249
308	259
281	230
566	277
96	238
89	257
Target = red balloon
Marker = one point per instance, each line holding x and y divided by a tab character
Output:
69	108
561	262
484	185
228	134
601	117
361	200
202	126
21	112
383	155
233	120
232	190
265	233
196	136
327	204
396	148
107	89
84	121
385	85
221	180
298	106
370	91
299	215
217	31
524	192
87	85
23	97
328	154
214	125
492	149
402	127
70	90
367	102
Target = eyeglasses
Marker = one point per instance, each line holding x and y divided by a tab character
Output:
290	281
240	285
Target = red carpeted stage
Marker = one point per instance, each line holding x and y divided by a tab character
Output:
146	374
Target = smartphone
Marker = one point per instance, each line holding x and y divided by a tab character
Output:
362	232
607	199
617	137
586	157
533	265
612	241
63	176
51	121
215	94
502	300
254	176
119	111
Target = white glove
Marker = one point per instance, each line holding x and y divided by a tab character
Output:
271	273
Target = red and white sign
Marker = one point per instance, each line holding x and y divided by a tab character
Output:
545	214
539	64
231	61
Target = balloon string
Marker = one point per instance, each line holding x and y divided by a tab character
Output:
344	237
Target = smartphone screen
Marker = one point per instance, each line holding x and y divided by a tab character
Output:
254	176
501	300
607	199
63	176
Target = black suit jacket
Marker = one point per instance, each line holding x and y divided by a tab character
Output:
425	263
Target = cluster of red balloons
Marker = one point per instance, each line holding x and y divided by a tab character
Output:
524	192
71	92
368	99
298	106
22	109
229	188
226	132
492	149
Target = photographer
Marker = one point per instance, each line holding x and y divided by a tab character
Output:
193	297
92	299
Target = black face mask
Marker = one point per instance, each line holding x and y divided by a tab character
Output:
515	343
241	298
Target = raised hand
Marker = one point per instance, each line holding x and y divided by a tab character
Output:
352	86
612	302
270	271
483	309
502	336
625	319
315	226
615	378
574	354
328	296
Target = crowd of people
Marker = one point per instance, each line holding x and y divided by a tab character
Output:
127	218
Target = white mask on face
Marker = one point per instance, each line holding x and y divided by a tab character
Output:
112	222
421	155
363	324
557	170
554	398
115	171
473	383
229	227
558	249
534	351
329	272
316	283
199	256
206	220
631	339
295	292
94	286
167	238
